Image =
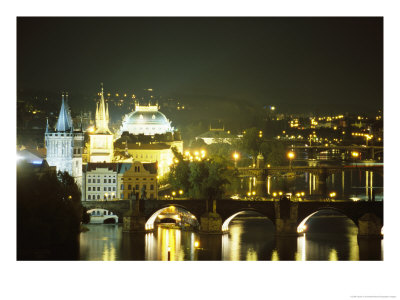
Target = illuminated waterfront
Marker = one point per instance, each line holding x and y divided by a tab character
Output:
250	237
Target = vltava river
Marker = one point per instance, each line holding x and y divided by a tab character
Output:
251	237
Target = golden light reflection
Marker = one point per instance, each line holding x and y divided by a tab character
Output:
333	255
275	256
251	255
109	253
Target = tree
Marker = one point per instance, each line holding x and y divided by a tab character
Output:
205	179
251	142
49	212
274	152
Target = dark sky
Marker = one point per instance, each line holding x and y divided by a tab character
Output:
332	64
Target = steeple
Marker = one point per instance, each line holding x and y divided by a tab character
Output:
102	117
69	111
47	125
64	122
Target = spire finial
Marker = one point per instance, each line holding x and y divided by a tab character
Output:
101	87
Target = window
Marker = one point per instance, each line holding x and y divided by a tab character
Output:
135	169
89	180
105	197
144	178
129	187
89	188
109	180
89	197
98	189
114	188
113	180
151	196
137	178
144	186
105	180
98	213
137	187
98	196
151	187
151	178
113	196
138	169
122	195
105	188
122	186
109	188
98	180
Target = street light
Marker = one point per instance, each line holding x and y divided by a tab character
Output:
180	192
290	155
235	157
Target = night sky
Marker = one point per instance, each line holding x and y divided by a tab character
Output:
297	64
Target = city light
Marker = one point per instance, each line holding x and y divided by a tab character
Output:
355	154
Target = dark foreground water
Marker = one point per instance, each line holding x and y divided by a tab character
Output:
250	237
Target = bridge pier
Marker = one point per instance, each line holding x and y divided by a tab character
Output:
134	220
321	182
286	213
261	184
211	221
369	226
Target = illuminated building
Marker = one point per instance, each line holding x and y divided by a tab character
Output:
101	141
147	136
64	144
216	135
114	181
99	181
146	120
137	179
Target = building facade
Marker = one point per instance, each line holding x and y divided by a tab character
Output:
138	180
64	144
119	181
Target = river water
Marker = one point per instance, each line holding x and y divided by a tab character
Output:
330	236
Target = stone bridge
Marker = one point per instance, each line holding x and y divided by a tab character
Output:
214	215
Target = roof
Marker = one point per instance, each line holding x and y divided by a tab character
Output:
94	166
216	134
142	118
123	167
64	122
155	146
31	156
151	167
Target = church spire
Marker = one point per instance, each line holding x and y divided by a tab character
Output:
47	124
64	119
102	115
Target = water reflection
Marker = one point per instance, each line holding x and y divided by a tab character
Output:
365	185
250	237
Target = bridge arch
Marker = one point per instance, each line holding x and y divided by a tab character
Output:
225	224
302	226
180	210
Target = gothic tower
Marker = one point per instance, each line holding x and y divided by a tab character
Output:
101	141
64	144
